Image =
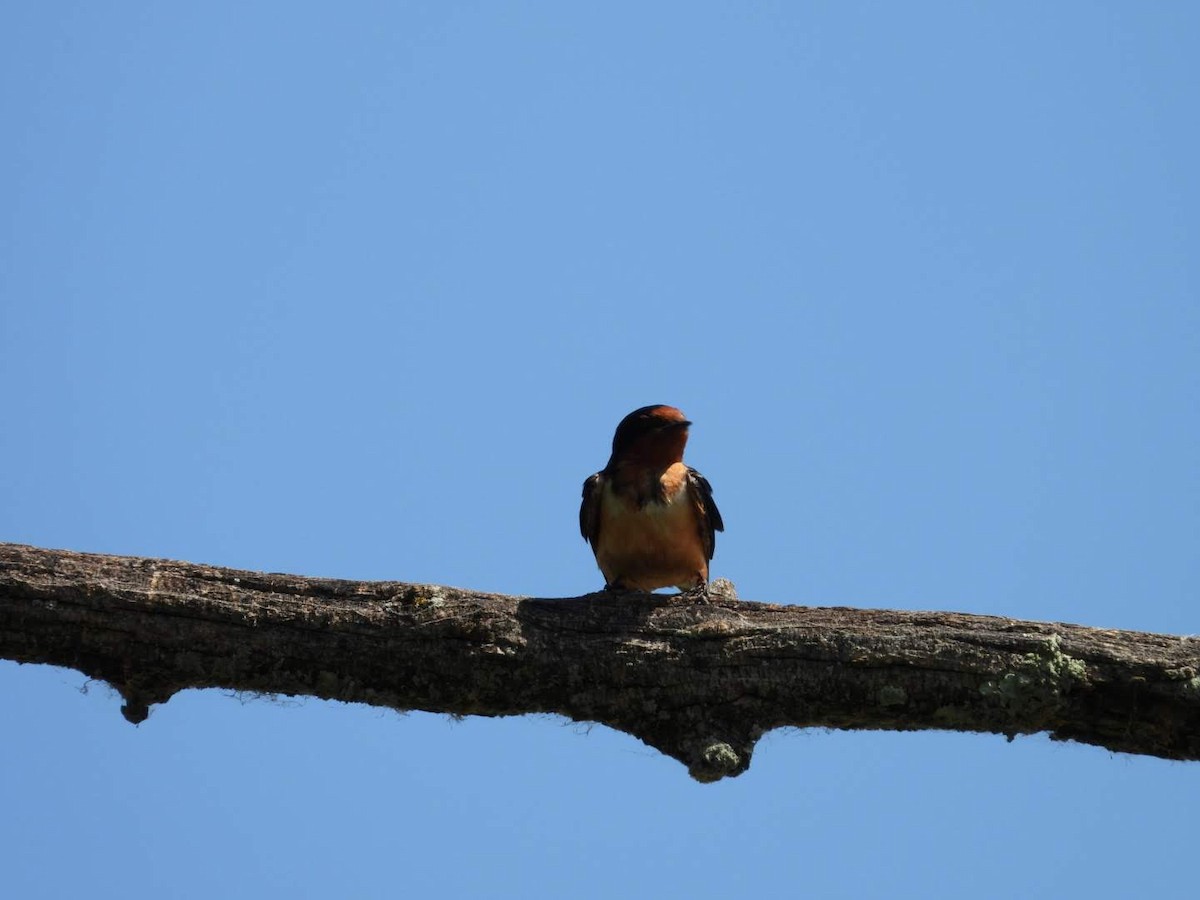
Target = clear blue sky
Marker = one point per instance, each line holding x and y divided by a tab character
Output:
361	291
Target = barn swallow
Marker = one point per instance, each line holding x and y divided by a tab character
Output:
650	519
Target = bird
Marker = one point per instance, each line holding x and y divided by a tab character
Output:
651	520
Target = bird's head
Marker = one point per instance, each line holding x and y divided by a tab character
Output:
655	434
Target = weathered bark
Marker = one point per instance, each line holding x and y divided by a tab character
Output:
699	681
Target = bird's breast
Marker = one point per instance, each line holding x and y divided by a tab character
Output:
645	513
656	521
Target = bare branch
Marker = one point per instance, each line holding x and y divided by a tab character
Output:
699	681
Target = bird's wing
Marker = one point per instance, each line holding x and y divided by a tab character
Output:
710	516
589	510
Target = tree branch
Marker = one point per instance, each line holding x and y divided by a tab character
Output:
699	681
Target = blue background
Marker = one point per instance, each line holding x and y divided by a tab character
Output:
362	290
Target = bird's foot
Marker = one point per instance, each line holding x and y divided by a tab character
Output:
701	593
720	590
619	588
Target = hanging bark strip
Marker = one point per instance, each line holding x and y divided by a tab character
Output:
701	682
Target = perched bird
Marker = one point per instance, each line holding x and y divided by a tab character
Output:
650	519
